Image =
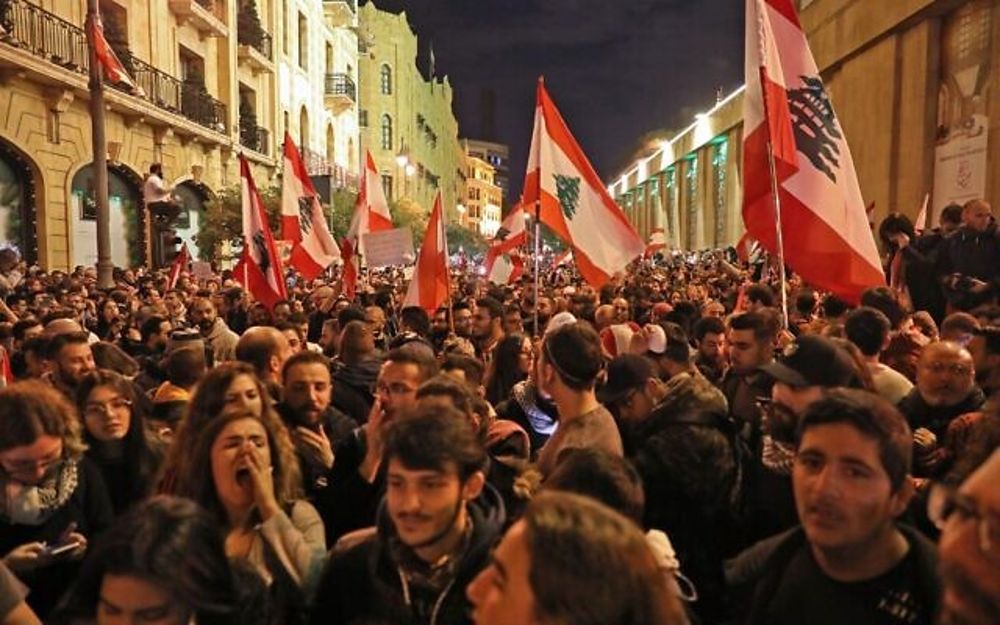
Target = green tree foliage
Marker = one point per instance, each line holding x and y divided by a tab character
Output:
248	27
222	222
465	238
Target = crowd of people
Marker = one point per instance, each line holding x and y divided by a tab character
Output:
662	450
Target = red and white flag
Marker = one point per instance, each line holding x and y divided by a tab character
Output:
657	242
503	267
6	373
114	71
921	223
429	285
302	219
574	202
827	239
259	269
180	264
747	248
371	214
563	259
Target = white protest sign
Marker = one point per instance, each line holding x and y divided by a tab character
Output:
388	247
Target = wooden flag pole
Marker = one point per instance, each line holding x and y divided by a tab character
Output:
779	238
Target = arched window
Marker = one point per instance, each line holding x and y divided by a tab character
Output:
386	132
385	75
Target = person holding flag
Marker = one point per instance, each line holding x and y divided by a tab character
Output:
259	268
302	220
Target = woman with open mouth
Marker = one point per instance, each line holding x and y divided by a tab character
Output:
244	471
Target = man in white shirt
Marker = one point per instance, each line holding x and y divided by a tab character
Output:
157	196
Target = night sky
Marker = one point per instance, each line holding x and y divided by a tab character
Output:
617	69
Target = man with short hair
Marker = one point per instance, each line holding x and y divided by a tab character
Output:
316	427
849	561
293	334
463	319
568	367
513	323
173	301
71	359
623	313
969	261
750	346
266	349
433	535
985	350
709	335
487	327
868	328
219	338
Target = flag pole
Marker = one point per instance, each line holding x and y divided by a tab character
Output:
105	267
779	238
538	253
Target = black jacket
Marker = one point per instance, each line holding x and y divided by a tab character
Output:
365	584
337	426
919	414
973	254
353	387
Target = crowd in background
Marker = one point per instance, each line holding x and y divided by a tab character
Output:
663	449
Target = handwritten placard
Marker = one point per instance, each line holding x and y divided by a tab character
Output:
386	248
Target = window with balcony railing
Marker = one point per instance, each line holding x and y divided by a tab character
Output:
249	30
341	84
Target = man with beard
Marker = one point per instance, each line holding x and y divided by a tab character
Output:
945	390
709	335
849	561
487	327
316	427
750	345
985	350
463	320
153	334
434	531
439	328
71	359
220	339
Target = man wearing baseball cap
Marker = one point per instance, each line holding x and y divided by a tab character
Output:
802	374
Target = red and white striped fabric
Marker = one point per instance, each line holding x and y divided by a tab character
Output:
302	219
259	269
921	223
563	259
371	214
827	239
657	242
574	202
6	374
114	71
180	264
430	283
503	267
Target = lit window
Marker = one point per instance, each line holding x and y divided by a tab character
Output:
386	132
385	75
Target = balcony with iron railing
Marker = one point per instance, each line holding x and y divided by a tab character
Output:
206	16
256	47
256	138
340	92
49	37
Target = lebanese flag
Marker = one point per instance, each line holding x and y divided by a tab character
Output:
429	285
505	269
180	263
747	248
371	214
512	234
921	223
827	239
657	241
302	219
259	269
573	201
563	259
114	71
6	374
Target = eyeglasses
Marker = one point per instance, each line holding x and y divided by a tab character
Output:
944	501
29	467
95	409
952	368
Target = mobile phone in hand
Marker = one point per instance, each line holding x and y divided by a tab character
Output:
61	548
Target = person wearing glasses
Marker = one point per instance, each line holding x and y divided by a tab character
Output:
849	560
118	441
945	390
52	498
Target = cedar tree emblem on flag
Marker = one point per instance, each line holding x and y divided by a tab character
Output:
261	246
568	191
815	125
305	214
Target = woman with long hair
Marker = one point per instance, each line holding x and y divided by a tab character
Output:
52	498
512	359
163	562
573	561
118	441
247	477
230	387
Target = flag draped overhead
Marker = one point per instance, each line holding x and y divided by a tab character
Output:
429	286
302	219
573	201
259	269
827	238
371	214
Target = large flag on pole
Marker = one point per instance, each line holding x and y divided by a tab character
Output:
114	71
371	214
302	219
259	269
573	201
181	262
512	234
430	283
827	238
657	242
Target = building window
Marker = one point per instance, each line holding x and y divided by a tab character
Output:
387	186
670	200
720	161
285	29
385	80
303	42
329	58
691	197
363	118
386	132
